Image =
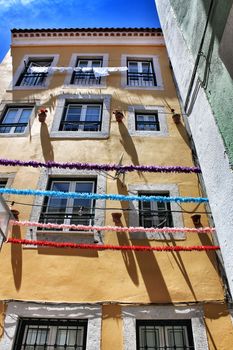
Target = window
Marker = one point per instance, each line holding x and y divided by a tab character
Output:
69	210
81	117
3	183
15	120
48	334
147	121
164	335
155	214
86	116
140	73
88	77
29	78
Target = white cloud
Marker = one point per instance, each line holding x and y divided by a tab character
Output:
6	4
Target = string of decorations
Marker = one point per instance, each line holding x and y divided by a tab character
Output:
110	247
112	228
115	197
103	167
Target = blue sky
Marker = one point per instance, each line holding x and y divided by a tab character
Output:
73	13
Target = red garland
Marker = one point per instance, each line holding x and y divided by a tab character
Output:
110	247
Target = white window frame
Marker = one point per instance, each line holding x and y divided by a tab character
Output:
162	118
70	201
154	59
16	119
15	310
84	107
71	236
89	56
21	68
194	313
3	110
82	99
134	189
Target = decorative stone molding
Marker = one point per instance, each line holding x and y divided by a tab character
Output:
195	314
15	310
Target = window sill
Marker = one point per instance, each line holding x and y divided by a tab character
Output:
39	87
14	135
148	133
128	87
94	86
78	237
78	135
179	236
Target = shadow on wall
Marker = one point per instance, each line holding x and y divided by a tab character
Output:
46	144
146	261
16	257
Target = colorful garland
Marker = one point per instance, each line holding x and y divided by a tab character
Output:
104	167
115	197
111	247
113	228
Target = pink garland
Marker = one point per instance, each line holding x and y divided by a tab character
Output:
111	247
113	228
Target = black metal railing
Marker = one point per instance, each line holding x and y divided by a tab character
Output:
6	127
162	217
50	334
82	218
85	78
147	125
32	79
80	125
141	79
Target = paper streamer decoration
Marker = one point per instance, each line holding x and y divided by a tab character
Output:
103	167
115	197
110	247
113	228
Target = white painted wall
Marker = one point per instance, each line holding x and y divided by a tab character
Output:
218	176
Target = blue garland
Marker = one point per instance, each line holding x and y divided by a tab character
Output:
114	197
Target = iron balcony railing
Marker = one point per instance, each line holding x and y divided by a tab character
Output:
162	217
80	125
147	125
87	78
32	79
82	218
7	127
141	79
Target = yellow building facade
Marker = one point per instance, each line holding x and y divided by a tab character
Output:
62	298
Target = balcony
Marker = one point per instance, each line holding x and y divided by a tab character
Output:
87	78
141	79
12	128
32	79
85	217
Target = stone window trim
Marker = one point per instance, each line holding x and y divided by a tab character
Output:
3	108
143	109
16	310
194	313
71	236
72	63
21	67
156	67
9	177
134	206
81	98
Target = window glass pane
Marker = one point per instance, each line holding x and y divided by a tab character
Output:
25	114
73	113
83	208
92	115
96	63
146	67
133	67
58	204
82	63
10	115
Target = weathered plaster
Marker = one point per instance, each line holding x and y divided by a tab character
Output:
209	145
72	311
195	314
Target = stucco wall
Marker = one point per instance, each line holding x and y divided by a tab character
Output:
218	84
82	276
